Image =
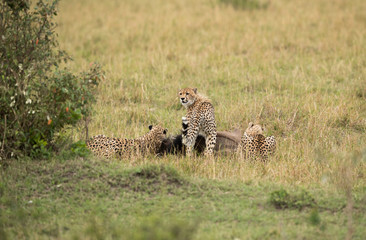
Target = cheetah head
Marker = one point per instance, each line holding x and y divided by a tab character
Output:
254	129
187	96
158	132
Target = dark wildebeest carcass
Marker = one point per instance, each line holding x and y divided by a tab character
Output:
226	143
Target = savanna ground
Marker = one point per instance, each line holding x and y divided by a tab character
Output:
297	67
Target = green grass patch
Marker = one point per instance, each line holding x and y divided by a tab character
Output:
96	199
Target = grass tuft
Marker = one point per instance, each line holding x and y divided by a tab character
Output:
314	217
246	4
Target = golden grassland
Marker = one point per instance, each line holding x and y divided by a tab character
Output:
297	67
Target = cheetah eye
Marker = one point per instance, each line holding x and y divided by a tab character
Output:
187	93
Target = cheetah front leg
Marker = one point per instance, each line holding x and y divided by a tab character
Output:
268	147
184	129
210	138
271	142
189	139
244	149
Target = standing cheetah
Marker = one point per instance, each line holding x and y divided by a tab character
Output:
200	119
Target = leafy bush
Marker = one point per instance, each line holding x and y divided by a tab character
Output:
282	199
38	97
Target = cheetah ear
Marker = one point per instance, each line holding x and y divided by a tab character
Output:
251	124
150	127
165	131
195	90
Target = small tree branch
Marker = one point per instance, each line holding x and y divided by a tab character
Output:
86	128
2	145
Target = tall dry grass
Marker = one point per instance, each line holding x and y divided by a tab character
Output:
297	67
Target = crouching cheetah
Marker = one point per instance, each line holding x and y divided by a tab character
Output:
253	143
200	118
107	147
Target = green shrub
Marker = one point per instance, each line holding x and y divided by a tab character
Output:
38	97
282	199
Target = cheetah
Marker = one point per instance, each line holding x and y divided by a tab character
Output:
201	119
253	143
107	147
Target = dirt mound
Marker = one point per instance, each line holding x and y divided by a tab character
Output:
150	178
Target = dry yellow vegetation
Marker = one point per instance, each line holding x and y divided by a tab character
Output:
297	67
